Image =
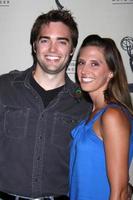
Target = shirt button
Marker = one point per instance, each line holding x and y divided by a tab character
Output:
38	158
36	180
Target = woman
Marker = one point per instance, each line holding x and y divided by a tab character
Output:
102	146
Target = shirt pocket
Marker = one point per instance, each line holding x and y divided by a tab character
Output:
61	131
14	121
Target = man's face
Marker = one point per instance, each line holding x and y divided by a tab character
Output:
53	47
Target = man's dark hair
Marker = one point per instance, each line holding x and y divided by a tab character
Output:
63	16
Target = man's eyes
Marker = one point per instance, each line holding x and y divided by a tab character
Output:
47	41
43	40
63	42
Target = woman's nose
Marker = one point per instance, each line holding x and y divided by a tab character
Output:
85	69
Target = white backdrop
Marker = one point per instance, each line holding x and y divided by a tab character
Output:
109	18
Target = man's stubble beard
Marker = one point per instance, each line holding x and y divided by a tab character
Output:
56	71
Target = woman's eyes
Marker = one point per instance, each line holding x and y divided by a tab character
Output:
80	62
91	64
94	64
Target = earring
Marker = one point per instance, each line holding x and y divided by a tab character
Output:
110	75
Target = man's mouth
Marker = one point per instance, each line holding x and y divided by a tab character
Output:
52	58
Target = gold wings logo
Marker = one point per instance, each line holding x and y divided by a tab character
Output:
59	5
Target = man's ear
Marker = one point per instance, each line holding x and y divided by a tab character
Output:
72	52
34	47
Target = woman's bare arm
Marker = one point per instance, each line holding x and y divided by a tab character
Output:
116	134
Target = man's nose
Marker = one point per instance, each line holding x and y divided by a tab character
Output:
53	46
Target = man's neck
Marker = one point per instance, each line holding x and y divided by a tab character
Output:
49	81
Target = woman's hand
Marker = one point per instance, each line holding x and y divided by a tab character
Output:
130	191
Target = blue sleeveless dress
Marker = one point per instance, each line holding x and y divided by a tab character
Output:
88	174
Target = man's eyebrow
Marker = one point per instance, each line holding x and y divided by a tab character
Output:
46	37
58	38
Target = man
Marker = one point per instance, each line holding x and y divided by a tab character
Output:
38	109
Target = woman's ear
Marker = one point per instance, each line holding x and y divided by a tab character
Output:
111	74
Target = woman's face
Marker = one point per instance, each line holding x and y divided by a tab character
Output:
92	70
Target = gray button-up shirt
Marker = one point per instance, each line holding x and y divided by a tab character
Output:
34	141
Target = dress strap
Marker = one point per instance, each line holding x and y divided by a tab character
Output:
100	112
